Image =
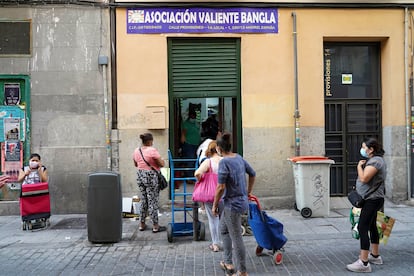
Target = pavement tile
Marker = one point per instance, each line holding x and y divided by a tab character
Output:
316	246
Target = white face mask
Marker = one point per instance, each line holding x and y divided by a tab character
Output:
34	164
363	152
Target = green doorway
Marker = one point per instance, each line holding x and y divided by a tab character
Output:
204	76
14	130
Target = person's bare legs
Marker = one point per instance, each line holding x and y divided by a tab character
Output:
364	255
375	249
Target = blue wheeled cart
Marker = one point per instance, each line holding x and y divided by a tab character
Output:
267	231
181	200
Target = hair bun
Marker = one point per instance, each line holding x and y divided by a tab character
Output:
226	137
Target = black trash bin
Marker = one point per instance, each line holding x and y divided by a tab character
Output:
104	207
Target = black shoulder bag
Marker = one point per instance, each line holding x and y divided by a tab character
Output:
162	182
356	199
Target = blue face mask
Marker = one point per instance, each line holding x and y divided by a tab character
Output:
363	152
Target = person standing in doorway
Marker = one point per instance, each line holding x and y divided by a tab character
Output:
233	188
147	181
371	182
190	139
190	136
209	132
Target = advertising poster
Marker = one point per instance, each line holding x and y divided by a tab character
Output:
11	93
12	123
11	159
11	128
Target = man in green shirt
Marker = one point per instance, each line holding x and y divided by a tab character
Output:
190	137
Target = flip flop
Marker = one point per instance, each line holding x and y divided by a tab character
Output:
228	271
214	248
160	229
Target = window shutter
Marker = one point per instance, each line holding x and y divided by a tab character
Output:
204	67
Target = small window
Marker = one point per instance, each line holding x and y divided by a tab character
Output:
352	70
15	38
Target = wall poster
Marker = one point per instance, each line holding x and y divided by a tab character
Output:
12	93
12	123
11	128
11	163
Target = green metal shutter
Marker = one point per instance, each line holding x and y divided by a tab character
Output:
207	67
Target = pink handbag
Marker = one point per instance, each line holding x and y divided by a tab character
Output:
205	188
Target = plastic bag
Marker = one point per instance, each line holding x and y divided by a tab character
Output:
384	226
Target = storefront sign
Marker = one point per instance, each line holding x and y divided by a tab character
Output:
327	54
202	20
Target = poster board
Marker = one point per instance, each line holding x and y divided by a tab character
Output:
11	159
12	123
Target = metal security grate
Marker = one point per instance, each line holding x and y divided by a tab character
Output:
346	125
15	37
204	67
352	106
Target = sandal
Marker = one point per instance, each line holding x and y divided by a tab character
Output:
142	228
214	247
159	229
229	271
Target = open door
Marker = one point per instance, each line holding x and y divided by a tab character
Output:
213	116
203	78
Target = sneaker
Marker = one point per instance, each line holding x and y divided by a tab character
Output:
373	260
359	266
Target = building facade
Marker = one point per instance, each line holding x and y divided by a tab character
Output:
286	79
55	64
324	78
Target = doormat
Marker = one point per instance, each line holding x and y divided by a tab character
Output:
70	223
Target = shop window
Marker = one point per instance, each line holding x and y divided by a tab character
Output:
351	71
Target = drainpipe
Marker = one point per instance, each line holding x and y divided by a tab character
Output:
114	99
103	60
295	66
410	190
407	104
408	88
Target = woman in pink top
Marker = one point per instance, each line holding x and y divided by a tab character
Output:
147	181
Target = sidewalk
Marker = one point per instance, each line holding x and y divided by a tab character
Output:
316	246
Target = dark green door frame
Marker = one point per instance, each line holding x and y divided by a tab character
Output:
204	68
24	82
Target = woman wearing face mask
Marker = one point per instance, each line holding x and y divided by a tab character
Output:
371	182
34	173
